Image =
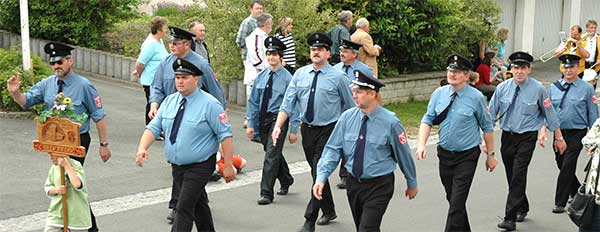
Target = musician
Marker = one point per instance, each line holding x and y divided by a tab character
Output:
574	46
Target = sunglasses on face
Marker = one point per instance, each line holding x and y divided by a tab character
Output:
60	62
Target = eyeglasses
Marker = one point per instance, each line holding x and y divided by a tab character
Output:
60	62
176	43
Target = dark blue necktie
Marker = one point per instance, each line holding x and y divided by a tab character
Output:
310	111
346	67
359	152
267	95
440	118
60	83
177	122
567	87
514	99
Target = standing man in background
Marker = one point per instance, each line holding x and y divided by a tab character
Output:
368	53
339	32
199	45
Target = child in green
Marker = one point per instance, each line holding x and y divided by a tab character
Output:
77	197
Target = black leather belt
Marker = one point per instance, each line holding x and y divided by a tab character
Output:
515	133
371	180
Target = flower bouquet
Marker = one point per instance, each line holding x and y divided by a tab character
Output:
63	108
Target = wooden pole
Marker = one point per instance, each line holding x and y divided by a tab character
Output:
65	214
23	9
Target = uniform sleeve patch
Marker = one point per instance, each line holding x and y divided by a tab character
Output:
98	101
595	99
223	118
402	138
547	103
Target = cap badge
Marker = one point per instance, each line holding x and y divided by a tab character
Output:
179	62
455	58
51	46
53	52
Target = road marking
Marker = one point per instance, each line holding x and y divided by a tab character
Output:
37	221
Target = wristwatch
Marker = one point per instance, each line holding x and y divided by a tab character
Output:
104	144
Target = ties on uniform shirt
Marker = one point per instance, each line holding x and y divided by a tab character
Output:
440	118
346	67
359	152
60	83
177	121
566	87
512	103
310	111
267	95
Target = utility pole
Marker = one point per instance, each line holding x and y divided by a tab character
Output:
25	35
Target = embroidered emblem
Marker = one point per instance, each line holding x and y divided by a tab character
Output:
402	138
223	118
98	101
547	103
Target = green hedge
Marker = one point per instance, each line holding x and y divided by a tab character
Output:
418	35
11	62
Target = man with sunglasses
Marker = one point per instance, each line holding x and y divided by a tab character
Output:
180	44
83	94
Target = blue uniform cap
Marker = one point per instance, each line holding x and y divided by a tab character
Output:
57	50
347	44
178	33
520	59
319	40
569	60
184	67
273	44
362	80
457	62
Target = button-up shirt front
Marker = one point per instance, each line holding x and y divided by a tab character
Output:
356	65
386	146
531	110
460	130
203	127
579	108
332	96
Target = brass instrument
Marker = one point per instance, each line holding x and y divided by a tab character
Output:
569	44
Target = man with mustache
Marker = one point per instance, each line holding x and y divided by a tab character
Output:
82	92
322	93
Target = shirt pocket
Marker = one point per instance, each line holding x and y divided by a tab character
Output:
78	106
350	143
530	108
167	119
196	122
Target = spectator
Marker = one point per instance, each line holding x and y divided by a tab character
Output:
484	84
248	25
283	32
199	43
339	32
368	53
256	60
152	53
500	55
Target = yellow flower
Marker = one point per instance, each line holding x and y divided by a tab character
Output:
67	100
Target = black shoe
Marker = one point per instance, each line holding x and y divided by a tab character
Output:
307	227
558	209
508	225
343	183
285	188
215	177
326	218
521	216
264	200
171	216
93	229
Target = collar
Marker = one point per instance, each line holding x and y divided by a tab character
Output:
69	79
190	97
323	70
563	81
276	71
371	115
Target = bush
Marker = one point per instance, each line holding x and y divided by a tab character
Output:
10	63
419	35
126	38
75	22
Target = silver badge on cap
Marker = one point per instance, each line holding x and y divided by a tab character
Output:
51	46
179	62
455	58
567	61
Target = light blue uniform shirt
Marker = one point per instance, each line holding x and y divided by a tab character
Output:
460	130
281	80
83	95
531	110
386	146
332	95
203	127
152	53
356	65
579	109
164	79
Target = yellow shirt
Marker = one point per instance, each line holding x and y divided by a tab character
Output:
576	52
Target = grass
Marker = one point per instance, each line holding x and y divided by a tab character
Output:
410	114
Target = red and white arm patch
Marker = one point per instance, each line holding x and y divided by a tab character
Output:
402	138
98	102
547	103
223	118
595	99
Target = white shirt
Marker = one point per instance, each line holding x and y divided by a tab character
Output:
591	48
256	58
